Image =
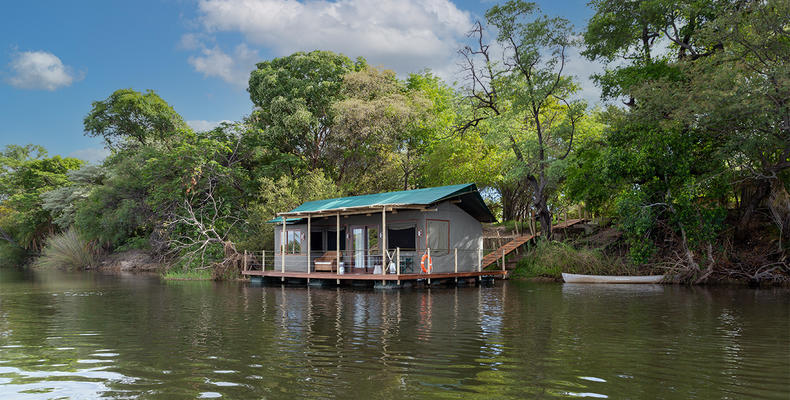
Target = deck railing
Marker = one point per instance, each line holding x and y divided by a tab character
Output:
395	261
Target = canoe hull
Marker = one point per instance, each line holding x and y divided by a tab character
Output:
577	278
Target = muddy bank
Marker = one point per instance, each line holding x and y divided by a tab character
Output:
130	261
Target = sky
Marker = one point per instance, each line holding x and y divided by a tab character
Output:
58	57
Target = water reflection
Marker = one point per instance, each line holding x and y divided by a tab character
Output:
83	335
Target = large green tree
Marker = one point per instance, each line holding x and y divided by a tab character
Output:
525	101
706	127
128	117
26	172
294	98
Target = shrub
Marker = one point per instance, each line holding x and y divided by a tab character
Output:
551	259
67	250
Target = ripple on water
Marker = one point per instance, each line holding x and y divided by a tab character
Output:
587	394
592	379
209	395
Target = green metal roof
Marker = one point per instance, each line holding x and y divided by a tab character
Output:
471	201
288	221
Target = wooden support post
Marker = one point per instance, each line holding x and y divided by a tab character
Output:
383	241
283	238
263	260
244	261
309	261
503	259
397	261
337	246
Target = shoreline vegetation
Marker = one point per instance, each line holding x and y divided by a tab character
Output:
684	169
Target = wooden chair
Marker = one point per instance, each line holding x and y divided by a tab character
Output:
327	262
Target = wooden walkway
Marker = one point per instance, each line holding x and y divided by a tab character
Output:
519	241
373	277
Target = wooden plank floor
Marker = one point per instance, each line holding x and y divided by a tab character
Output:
373	277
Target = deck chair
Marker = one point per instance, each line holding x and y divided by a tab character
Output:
327	262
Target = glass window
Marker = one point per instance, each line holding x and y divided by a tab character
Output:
438	236
373	240
293	242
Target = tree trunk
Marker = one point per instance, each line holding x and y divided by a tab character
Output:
752	196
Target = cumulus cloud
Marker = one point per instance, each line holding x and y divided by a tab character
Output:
94	155
404	35
40	70
583	69
201	125
233	68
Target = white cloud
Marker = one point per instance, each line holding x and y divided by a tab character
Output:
404	35
93	155
40	70
582	69
234	69
201	125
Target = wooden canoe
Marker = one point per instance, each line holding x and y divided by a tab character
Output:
576	278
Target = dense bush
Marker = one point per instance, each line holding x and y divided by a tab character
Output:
67	250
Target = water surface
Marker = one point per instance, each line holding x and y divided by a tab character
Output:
88	335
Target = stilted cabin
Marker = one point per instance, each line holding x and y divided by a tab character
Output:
412	234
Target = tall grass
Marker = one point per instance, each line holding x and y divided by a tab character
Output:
177	274
67	250
551	259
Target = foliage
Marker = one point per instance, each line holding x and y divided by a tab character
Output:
61	203
524	103
131	118
293	97
284	193
176	274
67	250
25	174
381	127
552	258
706	86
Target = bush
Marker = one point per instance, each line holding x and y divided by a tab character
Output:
12	256
67	250
551	259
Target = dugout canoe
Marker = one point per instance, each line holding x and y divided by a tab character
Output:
577	278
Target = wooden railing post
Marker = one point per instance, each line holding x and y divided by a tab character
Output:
283	245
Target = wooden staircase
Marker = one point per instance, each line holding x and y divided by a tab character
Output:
519	241
495	255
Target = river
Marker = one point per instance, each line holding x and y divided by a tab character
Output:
89	335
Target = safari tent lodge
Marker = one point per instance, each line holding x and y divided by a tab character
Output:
405	235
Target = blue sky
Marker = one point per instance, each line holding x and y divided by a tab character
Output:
58	57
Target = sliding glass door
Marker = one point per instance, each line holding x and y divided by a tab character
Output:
365	246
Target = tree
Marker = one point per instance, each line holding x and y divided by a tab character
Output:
293	97
527	97
131	118
380	126
25	174
706	127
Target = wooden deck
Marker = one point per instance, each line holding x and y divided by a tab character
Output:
374	277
